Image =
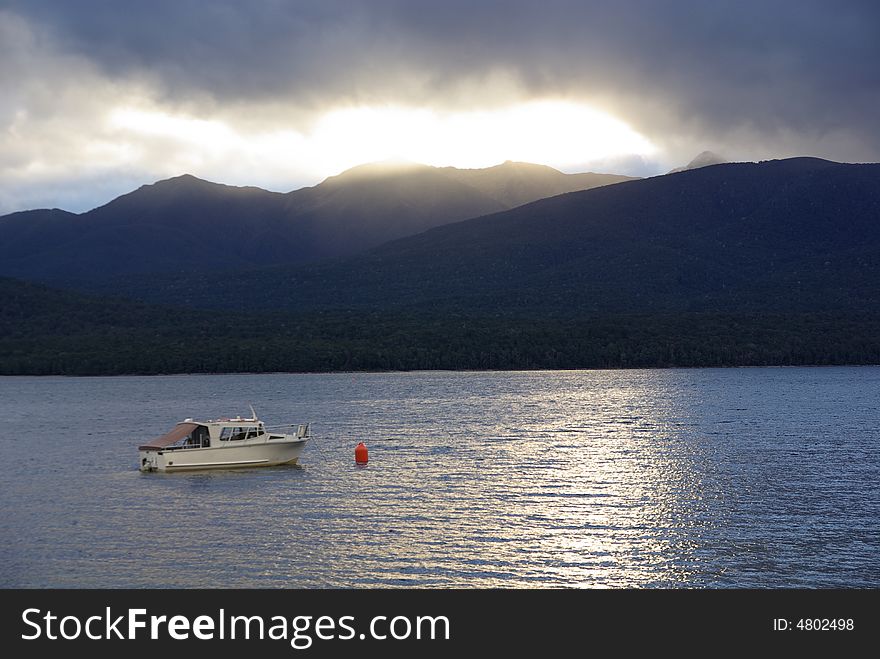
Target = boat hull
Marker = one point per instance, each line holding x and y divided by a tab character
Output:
263	454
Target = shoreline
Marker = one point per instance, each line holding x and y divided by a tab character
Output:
442	370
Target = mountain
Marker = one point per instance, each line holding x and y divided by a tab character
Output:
515	183
372	204
703	159
187	224
798	235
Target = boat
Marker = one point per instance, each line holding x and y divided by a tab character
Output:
224	444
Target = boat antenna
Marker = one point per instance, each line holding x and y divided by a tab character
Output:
253	412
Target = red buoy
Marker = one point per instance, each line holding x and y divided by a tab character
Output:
360	454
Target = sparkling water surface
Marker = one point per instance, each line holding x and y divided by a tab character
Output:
704	478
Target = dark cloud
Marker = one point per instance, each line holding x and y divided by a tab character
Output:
805	67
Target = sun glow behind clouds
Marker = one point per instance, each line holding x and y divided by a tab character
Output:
547	132
199	132
554	133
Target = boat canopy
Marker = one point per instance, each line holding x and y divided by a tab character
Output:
180	431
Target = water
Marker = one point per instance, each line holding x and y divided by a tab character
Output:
705	478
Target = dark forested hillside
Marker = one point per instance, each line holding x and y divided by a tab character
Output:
43	331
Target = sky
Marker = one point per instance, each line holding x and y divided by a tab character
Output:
98	97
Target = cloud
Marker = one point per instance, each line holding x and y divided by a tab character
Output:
747	79
49	117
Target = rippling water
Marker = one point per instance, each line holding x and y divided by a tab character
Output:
657	478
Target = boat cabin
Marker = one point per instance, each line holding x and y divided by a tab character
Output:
204	434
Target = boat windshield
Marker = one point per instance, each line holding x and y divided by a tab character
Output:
237	433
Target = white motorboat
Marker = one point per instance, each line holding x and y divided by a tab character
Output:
223	444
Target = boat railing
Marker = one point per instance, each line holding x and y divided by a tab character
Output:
303	430
187	445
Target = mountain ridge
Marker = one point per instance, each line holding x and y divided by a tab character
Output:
797	234
186	223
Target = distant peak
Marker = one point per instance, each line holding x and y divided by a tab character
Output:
183	179
188	182
378	169
521	166
703	159
519	163
184	184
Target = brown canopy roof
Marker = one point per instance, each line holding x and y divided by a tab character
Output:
180	431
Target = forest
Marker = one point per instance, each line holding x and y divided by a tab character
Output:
48	332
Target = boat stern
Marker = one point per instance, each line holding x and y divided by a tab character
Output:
148	460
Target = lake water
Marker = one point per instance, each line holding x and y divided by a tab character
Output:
703	478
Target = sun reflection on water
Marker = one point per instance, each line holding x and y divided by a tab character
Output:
617	492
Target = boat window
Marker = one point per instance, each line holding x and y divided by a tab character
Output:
238	433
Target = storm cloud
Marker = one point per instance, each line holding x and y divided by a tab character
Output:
751	80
